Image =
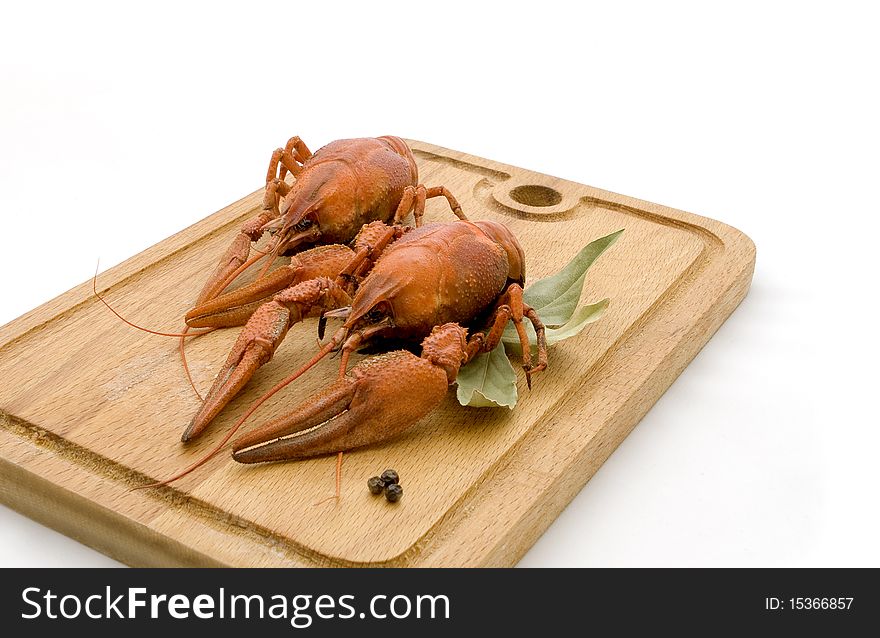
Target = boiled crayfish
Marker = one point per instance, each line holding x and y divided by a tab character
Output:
336	190
452	286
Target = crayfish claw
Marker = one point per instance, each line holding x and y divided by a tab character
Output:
255	346
378	399
236	307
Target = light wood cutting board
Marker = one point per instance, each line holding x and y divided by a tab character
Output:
97	408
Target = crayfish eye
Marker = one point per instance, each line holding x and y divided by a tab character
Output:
303	225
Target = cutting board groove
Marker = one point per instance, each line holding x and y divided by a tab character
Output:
80	428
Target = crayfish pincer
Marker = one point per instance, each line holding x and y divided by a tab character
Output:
377	399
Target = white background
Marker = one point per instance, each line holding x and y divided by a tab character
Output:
120	126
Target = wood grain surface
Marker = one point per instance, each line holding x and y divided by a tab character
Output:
90	408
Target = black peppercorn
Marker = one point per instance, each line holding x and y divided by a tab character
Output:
390	477
376	485
393	493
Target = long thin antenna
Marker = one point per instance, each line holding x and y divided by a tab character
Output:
134	325
182	348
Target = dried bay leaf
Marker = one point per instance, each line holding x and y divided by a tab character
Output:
489	380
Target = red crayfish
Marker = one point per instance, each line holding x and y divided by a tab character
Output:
452	286
336	190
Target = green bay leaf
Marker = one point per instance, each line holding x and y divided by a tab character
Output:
555	297
582	316
488	381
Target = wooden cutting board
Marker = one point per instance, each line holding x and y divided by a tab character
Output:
91	407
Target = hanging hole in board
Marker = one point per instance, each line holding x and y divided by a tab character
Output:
535	195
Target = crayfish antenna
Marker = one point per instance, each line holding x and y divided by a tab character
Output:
181	335
338	482
181	346
268	264
134	325
333	343
217	290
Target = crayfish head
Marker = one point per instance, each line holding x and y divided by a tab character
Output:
446	348
288	235
301	209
